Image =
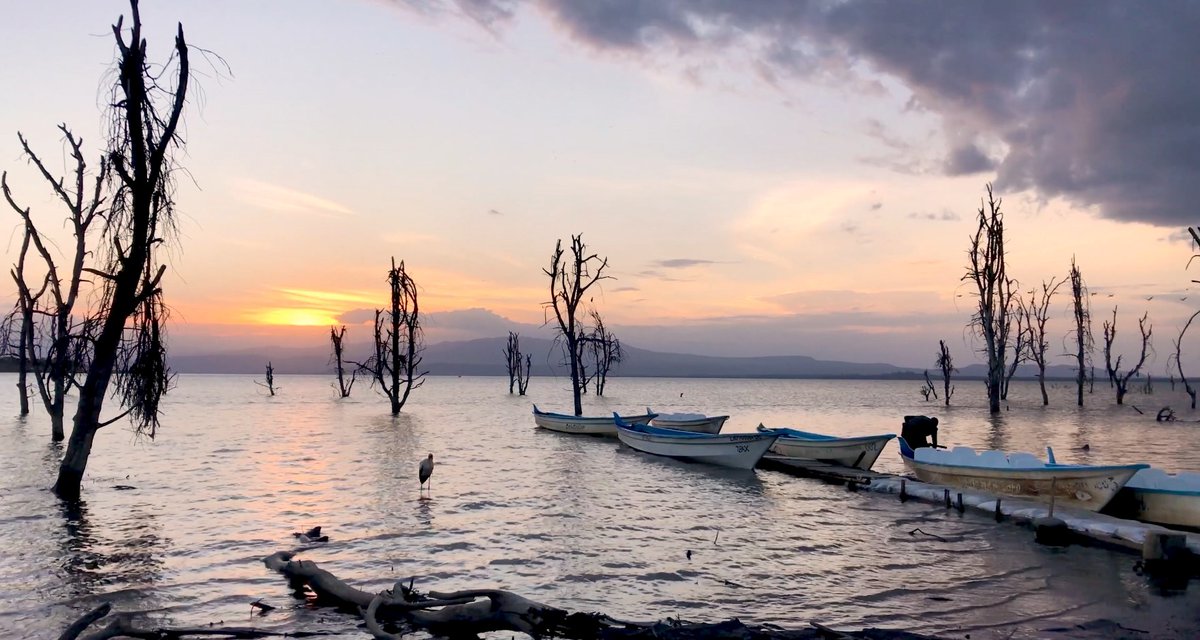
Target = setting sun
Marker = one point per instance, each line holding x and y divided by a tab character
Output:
295	317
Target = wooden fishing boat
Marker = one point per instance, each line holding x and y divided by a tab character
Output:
697	422
737	450
1165	498
586	425
1020	475
859	452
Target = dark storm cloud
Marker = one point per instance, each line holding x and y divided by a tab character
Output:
1090	100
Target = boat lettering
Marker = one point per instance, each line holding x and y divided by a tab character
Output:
750	436
742	448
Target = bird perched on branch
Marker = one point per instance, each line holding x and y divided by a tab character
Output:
425	470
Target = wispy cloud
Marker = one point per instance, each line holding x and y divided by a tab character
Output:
944	216
682	263
279	199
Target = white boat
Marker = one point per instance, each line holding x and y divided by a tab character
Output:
586	425
859	452
1020	475
697	422
1166	498
737	450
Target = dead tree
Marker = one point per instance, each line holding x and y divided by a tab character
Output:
268	380
1084	344
946	364
1178	358
121	338
987	270
927	388
517	363
1036	311
570	279
1020	347
395	367
336	337
605	351
49	332
1116	377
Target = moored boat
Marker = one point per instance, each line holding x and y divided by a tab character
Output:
697	422
586	425
1165	498
737	450
859	452
1020	475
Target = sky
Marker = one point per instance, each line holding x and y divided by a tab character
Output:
765	177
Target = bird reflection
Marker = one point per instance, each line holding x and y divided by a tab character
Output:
424	512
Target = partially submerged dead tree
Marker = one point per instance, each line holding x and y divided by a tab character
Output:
50	332
605	351
336	336
123	332
570	279
268	382
467	613
1036	311
1115	376
395	367
927	389
946	364
1083	330
518	364
1177	357
1020	347
987	270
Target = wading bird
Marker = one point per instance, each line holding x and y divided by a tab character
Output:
425	470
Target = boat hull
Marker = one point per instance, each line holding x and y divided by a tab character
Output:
1088	488
859	453
1166	507
584	425
739	451
711	424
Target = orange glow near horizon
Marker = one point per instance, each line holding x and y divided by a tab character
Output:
297	317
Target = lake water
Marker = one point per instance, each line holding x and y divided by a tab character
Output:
578	522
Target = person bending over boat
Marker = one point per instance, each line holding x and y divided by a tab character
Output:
918	430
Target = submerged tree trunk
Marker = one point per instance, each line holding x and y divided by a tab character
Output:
994	289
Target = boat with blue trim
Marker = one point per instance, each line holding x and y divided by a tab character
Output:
737	450
859	452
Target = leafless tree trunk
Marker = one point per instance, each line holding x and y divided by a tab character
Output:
395	366
50	324
268	380
927	389
1020	351
122	333
517	363
570	279
606	351
1083	329
946	364
1036	312
1178	358
1119	380
336	337
993	288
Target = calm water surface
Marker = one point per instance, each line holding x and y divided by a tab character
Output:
578	522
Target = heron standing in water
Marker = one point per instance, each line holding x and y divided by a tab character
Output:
426	470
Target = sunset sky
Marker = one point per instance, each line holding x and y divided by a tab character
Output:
765	177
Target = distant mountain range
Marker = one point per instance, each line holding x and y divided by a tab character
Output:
484	357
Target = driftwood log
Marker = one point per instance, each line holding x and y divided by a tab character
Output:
467	613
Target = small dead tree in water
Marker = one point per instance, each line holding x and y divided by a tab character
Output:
1020	351
605	350
987	270
927	389
517	363
1036	312
268	380
1178	358
570	279
336	337
1115	377
1084	344
395	365
946	364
